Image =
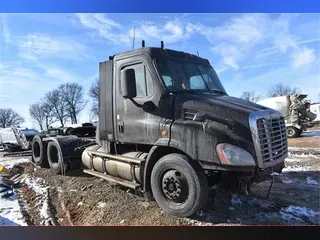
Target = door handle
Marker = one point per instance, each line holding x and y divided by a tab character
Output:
120	126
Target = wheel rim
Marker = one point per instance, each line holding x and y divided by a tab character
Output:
290	132
36	150
54	155
175	186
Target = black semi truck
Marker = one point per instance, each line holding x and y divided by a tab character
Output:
168	128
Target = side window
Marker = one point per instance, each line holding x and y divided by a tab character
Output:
143	79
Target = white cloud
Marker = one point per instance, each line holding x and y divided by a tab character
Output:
305	78
105	27
237	40
15	78
236	37
61	75
172	31
248	28
303	56
230	54
36	46
5	29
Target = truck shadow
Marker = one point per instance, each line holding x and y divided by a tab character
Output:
78	173
294	199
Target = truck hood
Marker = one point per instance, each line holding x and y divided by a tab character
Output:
222	101
236	102
219	108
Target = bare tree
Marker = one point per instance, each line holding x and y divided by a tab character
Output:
72	95
9	117
47	109
94	94
250	96
37	113
282	90
54	100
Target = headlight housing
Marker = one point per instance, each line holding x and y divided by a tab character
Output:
233	155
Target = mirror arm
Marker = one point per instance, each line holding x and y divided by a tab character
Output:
135	103
145	107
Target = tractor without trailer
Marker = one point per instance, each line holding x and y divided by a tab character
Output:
168	128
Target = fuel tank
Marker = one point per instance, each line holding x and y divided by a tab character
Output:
115	168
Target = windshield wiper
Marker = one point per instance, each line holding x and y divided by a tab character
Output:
189	91
218	91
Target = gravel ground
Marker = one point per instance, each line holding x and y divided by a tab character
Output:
79	199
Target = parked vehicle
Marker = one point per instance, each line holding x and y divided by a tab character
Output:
295	109
168	128
13	139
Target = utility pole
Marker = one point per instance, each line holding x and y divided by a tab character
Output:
134	35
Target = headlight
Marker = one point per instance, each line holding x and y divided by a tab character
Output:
233	155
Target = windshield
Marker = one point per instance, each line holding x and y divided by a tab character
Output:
184	76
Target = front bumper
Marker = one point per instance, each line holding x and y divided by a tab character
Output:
263	174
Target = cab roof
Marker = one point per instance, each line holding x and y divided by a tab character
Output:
156	52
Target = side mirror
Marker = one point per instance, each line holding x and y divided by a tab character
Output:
128	84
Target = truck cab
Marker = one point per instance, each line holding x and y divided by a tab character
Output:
168	127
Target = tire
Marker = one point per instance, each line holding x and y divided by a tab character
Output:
293	132
55	158
172	171
39	153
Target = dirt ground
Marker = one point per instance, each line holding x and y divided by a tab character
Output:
80	199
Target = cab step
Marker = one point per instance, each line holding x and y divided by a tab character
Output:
113	179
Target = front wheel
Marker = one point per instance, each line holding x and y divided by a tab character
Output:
179	185
293	132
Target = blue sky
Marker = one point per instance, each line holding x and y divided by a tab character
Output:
250	52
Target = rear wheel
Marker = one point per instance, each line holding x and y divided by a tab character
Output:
39	154
55	158
293	132
179	185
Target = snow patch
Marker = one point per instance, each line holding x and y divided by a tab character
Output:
296	213
302	155
235	200
275	174
288	181
300	148
102	204
292	160
261	203
10	214
42	196
311	181
295	169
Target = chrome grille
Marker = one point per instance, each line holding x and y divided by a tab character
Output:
269	136
272	138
